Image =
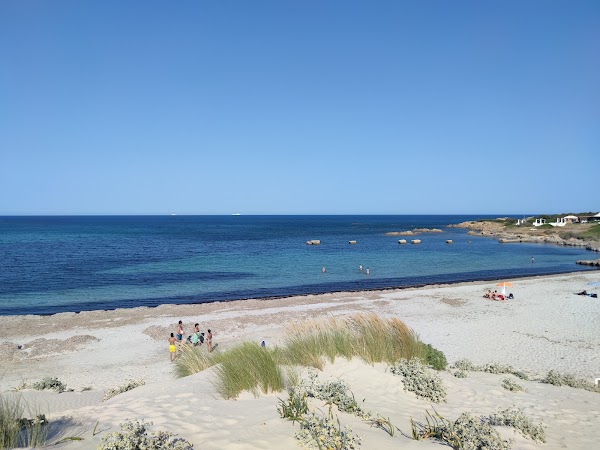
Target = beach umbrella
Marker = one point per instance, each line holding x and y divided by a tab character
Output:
504	284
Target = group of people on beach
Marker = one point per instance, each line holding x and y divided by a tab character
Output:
495	296
195	339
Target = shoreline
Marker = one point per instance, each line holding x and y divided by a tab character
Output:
342	291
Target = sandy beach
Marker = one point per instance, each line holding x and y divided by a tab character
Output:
545	327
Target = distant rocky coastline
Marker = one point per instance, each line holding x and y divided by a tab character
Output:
499	230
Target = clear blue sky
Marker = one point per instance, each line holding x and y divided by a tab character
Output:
283	107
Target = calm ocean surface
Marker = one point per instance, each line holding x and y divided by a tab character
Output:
57	264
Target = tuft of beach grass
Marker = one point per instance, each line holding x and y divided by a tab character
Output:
18	431
248	367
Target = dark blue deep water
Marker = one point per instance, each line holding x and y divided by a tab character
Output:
57	264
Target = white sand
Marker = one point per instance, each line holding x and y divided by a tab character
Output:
545	327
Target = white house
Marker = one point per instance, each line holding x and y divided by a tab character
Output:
570	219
539	222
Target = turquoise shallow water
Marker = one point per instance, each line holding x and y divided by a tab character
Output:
56	264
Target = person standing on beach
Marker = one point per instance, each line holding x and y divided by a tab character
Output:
209	341
172	348
180	331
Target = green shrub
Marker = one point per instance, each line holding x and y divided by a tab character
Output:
495	368
466	432
470	432
558	379
461	373
515	418
318	431
512	386
335	392
418	379
128	386
465	364
434	358
134	435
50	383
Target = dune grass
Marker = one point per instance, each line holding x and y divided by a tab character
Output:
17	431
249	367
366	336
191	360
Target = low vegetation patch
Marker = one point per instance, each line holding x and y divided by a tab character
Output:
383	423
511	385
466	432
477	432
515	418
559	379
134	435
128	386
335	392
16	430
294	407
420	380
50	383
319	431
496	368
434	358
461	373
593	233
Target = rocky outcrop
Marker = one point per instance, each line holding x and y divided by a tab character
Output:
496	229
414	231
594	262
313	242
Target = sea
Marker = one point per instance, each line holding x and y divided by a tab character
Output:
55	264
